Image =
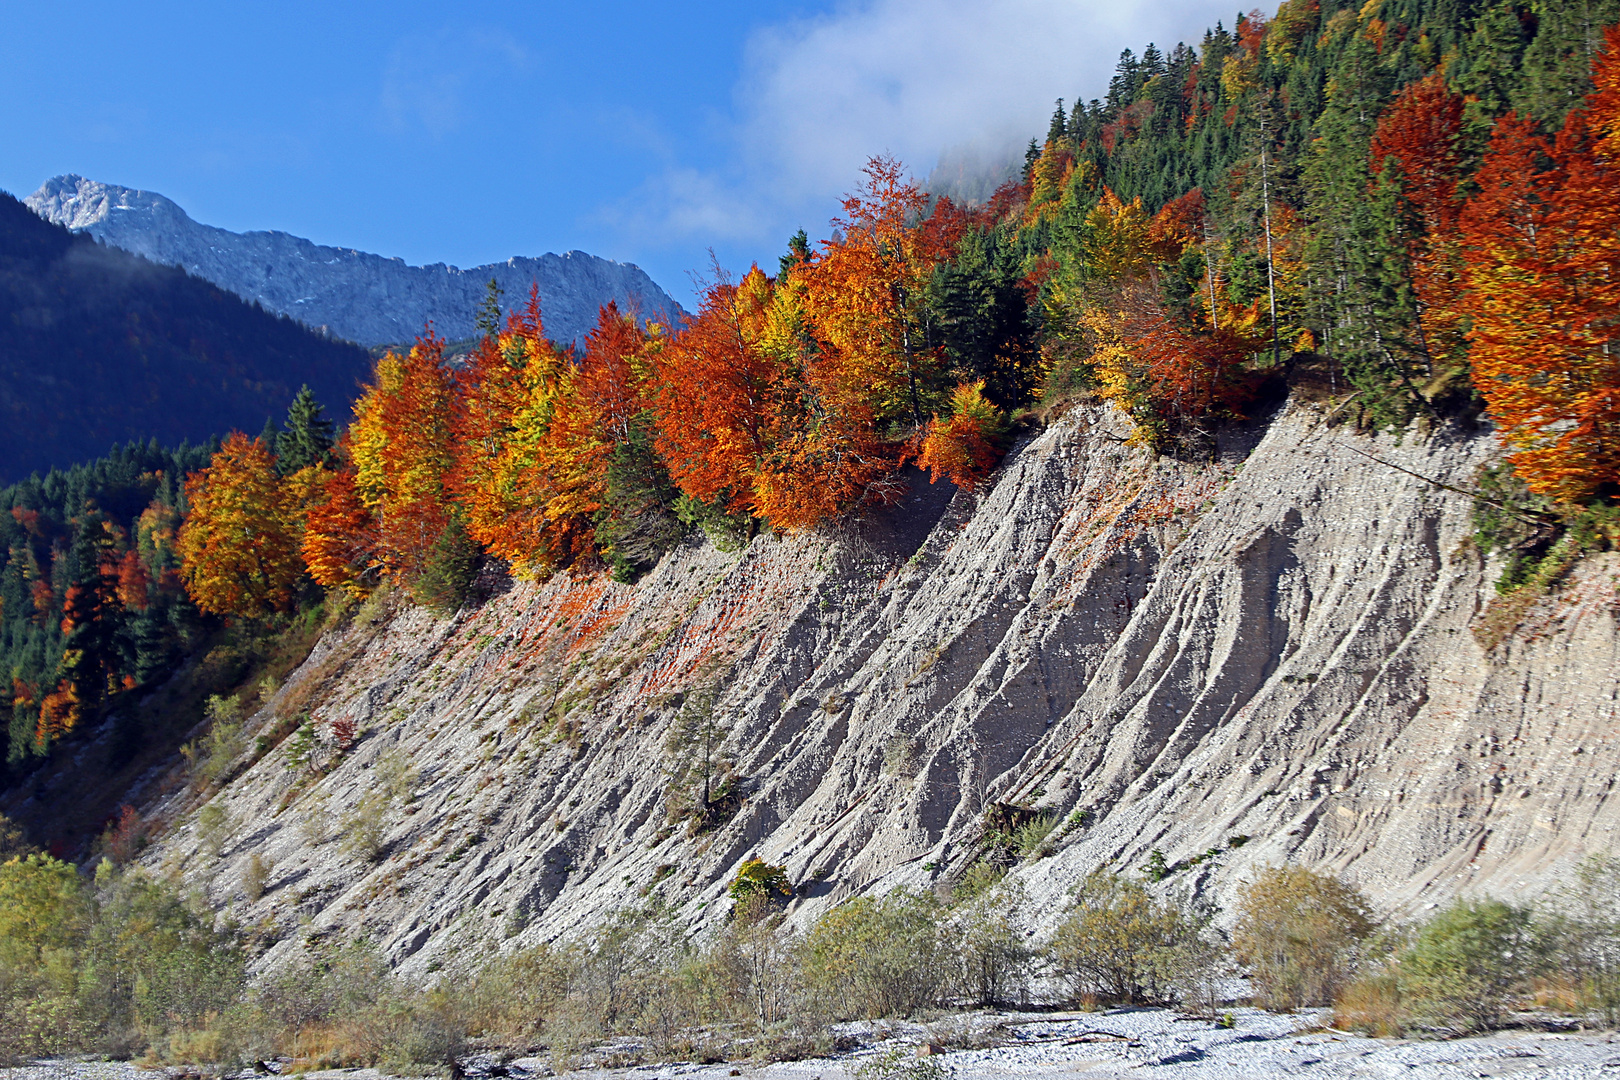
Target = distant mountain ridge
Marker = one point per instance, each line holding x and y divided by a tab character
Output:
354	295
102	347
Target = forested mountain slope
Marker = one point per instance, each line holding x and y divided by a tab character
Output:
102	347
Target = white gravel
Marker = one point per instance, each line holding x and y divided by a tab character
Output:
1159	1044
1140	1044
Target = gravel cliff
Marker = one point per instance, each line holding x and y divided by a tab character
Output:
1275	644
354	295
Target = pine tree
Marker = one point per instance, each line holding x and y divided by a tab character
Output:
488	319
798	253
1057	130
448	571
305	438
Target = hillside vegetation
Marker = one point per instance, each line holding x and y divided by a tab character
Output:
1408	208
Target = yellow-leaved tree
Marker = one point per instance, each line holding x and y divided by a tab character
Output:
239	544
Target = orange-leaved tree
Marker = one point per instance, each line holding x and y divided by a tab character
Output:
1161	365
602	449
507	397
1542	238
239	544
966	443
602	396
1417	146
339	544
711	394
865	296
827	450
400	444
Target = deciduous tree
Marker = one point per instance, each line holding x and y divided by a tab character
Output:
239	544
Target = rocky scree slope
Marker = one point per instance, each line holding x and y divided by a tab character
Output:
1275	643
353	295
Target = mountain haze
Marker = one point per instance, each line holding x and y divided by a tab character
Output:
352	294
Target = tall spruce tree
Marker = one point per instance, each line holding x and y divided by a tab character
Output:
306	437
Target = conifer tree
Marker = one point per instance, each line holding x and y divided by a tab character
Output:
306	437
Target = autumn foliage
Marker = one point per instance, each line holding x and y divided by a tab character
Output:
239	545
788	401
1405	217
965	444
1542	238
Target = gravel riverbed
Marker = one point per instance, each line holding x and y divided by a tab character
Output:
1135	1043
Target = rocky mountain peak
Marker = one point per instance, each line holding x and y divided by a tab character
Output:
366	298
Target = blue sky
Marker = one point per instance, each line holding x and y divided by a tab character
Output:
466	133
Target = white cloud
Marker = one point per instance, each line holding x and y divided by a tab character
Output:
911	78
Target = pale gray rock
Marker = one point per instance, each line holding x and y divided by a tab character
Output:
350	294
1273	643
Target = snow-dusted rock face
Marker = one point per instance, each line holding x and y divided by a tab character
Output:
354	295
1274	644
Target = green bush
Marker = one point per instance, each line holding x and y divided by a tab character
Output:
1030	837
1465	963
211	756
109	968
12	840
727	531
214	828
759	878
899	1064
990	957
1300	935
1121	945
1582	934
876	957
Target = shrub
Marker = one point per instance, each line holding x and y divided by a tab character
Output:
978	878
1465	963
43	907
214	827
108	969
761	955
1300	936
1583	932
1030	837
365	825
12	840
255	876
991	962
759	878
900	756
125	837
1121	944
875	957
727	530
512	995
1371	1004
899	1064
210	757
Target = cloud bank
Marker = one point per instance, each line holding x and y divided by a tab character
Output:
972	79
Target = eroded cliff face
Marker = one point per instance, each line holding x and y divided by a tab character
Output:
1274	644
